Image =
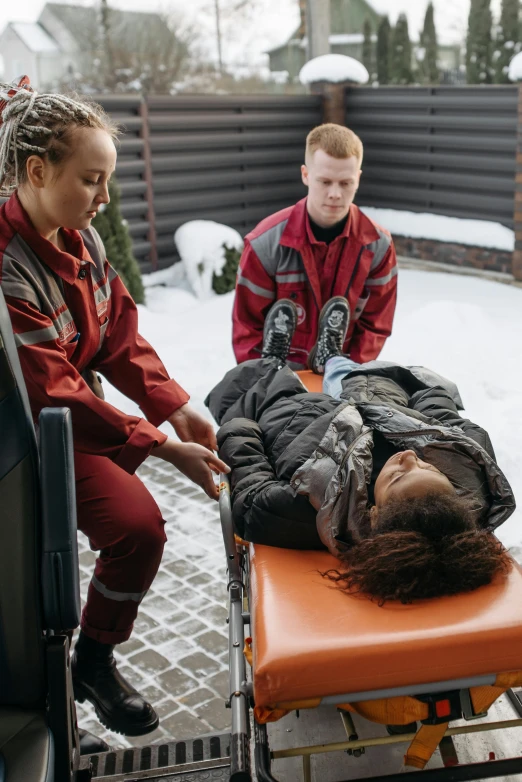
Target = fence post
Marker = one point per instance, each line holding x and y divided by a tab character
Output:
147	157
517	254
334	100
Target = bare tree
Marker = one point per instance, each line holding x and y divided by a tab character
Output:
231	18
132	51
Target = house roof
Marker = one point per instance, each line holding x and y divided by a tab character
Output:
346	20
82	21
448	19
336	39
35	37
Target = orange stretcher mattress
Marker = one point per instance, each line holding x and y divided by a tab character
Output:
312	382
312	640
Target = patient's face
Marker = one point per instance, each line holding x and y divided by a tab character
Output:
405	476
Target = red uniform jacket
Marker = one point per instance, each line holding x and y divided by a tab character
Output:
282	259
71	312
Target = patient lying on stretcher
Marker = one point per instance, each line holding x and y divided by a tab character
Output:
380	468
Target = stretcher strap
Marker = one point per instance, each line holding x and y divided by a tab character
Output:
426	741
428	737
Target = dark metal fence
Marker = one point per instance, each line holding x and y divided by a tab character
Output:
233	159
448	150
131	169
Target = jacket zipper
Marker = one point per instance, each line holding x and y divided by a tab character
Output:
350	451
415	431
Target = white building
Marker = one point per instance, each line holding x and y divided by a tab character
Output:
64	41
27	48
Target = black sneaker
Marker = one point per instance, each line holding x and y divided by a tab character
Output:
279	328
331	333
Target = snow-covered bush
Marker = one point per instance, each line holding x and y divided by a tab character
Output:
208	251
515	68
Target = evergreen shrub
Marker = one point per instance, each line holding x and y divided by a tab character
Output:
115	236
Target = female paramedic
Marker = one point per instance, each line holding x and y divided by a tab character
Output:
73	317
387	476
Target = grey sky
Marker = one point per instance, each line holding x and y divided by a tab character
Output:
274	19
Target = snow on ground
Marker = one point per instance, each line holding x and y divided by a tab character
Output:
422	225
334	68
466	328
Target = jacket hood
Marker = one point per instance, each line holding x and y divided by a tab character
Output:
475	476
337	474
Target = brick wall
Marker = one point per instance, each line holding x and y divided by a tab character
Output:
455	254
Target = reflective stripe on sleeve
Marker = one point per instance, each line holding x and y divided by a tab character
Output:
382	280
297	277
241	280
34	337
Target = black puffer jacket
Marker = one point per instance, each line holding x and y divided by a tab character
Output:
301	462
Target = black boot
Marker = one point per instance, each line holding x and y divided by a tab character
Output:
117	704
280	324
91	745
331	333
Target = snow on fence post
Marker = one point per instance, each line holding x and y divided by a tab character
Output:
147	158
329	76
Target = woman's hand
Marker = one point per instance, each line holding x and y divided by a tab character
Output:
192	427
194	461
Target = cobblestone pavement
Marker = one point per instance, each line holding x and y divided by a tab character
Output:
177	654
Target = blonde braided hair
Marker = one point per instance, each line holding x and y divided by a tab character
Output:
41	124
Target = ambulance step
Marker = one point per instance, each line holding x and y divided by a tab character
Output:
193	757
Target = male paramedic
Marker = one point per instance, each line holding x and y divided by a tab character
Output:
321	247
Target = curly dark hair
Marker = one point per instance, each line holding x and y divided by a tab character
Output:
421	548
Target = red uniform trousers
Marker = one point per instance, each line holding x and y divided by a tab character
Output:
123	522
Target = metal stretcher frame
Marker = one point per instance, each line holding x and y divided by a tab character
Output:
241	698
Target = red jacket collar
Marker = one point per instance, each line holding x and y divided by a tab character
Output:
359	227
65	264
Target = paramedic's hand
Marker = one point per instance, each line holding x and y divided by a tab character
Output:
192	427
194	461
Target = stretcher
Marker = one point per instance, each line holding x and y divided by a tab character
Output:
297	642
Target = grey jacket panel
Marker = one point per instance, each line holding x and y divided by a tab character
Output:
335	479
379	248
25	277
274	257
96	250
